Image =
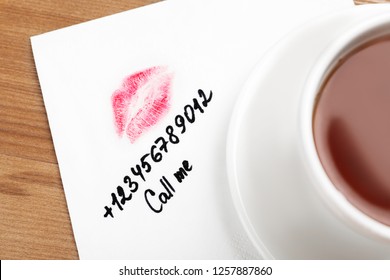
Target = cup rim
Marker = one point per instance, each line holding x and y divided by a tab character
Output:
333	198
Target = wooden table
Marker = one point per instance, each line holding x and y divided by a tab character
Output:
34	220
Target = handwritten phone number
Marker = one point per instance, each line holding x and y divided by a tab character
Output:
238	270
124	192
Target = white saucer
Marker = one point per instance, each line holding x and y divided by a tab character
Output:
275	201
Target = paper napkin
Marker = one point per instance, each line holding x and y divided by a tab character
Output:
139	106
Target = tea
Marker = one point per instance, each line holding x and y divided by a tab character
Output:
351	126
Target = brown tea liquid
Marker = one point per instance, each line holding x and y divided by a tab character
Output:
351	125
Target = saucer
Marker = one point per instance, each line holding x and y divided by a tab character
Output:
278	207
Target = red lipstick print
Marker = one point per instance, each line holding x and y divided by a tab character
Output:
142	101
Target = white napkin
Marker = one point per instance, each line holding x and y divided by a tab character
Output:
187	46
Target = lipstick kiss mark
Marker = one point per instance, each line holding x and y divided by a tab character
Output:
142	101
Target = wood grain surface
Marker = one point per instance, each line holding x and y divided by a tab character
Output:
34	220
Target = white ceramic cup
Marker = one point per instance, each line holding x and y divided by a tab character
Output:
334	199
